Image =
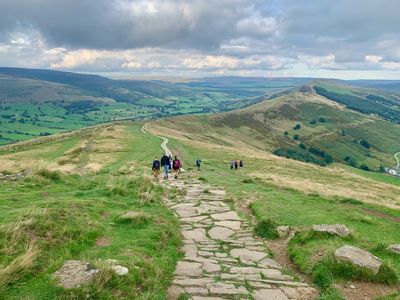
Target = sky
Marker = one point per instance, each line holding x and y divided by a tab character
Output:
348	39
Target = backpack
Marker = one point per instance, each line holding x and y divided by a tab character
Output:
177	164
156	164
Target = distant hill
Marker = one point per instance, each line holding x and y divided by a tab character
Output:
303	126
42	102
383	102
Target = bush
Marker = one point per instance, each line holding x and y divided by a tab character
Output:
266	228
351	161
313	122
296	137
302	146
52	175
297	127
365	144
364	167
248	180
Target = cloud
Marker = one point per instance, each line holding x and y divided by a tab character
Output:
202	37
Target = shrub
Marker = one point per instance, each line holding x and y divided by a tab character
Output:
296	137
266	228
313	122
351	161
297	127
365	144
248	180
52	175
302	146
364	167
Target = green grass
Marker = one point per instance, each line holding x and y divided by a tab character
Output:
373	227
50	217
63	219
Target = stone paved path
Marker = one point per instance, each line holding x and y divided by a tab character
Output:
222	258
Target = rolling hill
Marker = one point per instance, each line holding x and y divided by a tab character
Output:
43	102
303	126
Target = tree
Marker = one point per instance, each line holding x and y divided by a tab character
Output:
365	144
297	127
302	146
286	133
322	120
313	121
364	167
296	137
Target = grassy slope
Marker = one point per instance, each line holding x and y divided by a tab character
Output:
34	102
294	193
262	126
62	218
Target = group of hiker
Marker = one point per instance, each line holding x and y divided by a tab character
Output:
167	164
235	164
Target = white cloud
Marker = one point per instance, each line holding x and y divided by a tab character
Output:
373	58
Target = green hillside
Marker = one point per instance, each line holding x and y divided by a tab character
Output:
382	102
42	102
304	126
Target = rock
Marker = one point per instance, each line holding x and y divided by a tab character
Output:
220	233
235	225
119	270
352	287
395	248
198	234
190	269
337	229
74	274
225	289
230	215
358	257
270	295
283	231
246	255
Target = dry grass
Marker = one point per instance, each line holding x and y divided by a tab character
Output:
19	244
326	181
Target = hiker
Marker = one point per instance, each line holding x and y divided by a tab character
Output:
166	164
232	164
241	163
170	161
198	164
176	165
156	168
236	164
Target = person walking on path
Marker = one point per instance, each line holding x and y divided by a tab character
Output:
176	165
232	164
166	164
236	164
198	164
156	168
241	163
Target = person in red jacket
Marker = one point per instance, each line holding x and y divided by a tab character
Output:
176	165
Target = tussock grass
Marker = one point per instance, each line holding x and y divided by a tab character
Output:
48	174
266	228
